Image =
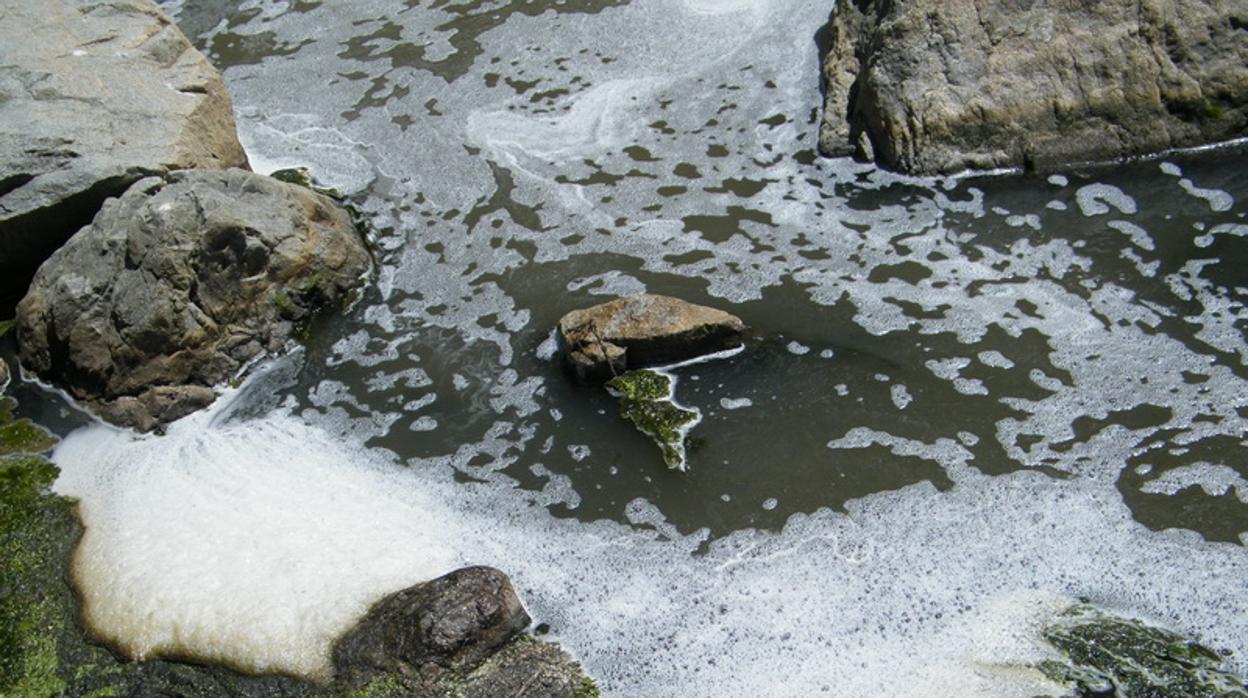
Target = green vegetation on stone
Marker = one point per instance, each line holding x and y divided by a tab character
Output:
20	435
646	400
588	689
1110	656
5	326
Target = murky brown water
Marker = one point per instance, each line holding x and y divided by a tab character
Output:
520	159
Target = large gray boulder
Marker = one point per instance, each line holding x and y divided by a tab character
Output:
461	635
179	283
95	95
645	330
931	86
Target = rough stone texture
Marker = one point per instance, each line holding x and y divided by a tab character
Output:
177	284
4	375
928	86
644	330
95	95
459	634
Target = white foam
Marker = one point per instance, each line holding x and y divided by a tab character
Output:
256	543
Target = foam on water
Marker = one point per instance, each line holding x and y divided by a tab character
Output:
257	542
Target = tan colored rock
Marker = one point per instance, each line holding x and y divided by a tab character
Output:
645	330
931	86
176	285
93	97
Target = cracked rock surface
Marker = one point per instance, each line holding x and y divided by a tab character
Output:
932	86
94	96
180	282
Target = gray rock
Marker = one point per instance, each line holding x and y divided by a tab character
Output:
459	635
644	330
94	96
180	282
929	86
4	376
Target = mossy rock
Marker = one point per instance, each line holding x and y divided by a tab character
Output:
646	400
21	435
1111	656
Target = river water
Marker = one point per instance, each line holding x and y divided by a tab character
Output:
964	403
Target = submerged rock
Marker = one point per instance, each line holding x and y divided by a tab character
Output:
178	284
929	86
1119	657
645	330
93	97
459	634
646	400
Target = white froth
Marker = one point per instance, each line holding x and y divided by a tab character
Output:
251	544
256	543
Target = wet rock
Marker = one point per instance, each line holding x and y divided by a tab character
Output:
459	635
179	283
645	330
1106	655
928	86
647	400
4	375
93	97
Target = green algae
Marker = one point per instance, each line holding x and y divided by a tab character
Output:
6	326
20	435
1111	656
646	400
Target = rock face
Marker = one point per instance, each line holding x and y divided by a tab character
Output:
644	330
458	634
929	86
94	96
177	284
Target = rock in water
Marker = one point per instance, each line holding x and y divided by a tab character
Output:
644	330
1106	655
93	97
459	634
647	400
939	86
177	284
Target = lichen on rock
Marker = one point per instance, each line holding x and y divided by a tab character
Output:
646	399
1107	655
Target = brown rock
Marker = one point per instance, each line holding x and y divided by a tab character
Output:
931	86
643	330
178	284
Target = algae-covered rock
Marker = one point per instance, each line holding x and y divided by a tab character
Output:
1110	656
646	399
21	435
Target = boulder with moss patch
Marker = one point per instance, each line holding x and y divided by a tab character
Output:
178	284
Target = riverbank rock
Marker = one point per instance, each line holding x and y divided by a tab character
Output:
929	86
608	339
179	283
93	97
459	634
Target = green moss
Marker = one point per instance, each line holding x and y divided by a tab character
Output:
1106	655
5	326
1211	109
646	400
587	689
299	176
20	435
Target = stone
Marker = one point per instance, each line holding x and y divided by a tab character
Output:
645	330
931	86
454	621
1107	655
178	284
4	375
93	97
